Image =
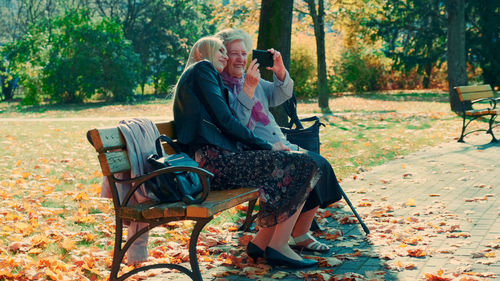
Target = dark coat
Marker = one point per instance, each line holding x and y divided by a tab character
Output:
202	114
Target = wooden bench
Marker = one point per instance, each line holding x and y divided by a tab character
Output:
112	154
477	95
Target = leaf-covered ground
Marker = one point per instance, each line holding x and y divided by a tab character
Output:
54	225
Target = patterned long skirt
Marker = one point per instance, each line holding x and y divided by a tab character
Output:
284	178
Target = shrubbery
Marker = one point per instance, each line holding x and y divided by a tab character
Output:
73	60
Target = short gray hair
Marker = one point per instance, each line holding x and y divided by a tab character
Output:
229	35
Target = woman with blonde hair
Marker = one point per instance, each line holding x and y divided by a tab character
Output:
210	133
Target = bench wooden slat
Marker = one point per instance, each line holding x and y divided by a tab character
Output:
166	128
165	210
114	162
468	93
153	210
105	139
218	201
481	112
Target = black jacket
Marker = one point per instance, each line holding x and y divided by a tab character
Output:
202	115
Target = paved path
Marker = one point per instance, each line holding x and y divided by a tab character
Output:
434	212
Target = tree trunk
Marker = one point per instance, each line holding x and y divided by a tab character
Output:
427	75
318	18
275	31
457	73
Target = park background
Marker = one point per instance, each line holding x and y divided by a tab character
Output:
70	66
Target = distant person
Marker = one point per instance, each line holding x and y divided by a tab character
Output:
221	144
250	98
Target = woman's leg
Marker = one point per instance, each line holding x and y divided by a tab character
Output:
302	238
279	241
264	236
304	222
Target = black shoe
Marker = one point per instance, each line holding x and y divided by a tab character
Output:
274	257
254	251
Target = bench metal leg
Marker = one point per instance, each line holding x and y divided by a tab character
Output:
249	217
119	251
193	256
490	130
461	139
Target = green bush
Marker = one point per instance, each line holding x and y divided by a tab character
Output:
357	72
72	58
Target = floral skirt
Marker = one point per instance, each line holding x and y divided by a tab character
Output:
284	178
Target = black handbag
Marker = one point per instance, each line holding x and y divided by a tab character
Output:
176	186
306	138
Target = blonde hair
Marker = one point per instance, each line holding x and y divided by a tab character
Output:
232	34
205	48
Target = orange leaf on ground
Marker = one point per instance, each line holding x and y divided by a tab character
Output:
242	207
348	220
68	244
437	277
243	240
416	252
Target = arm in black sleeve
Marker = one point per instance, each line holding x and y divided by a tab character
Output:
211	96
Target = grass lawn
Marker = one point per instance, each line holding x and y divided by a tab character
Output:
54	225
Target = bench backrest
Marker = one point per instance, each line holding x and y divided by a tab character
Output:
112	149
470	93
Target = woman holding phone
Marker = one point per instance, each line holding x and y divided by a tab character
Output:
250	100
217	140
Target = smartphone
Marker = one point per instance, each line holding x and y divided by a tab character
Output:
264	58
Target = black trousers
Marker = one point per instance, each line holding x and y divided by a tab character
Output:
327	190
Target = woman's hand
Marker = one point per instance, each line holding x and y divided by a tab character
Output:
252	79
278	67
280	146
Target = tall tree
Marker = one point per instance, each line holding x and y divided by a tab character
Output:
317	13
457	73
275	31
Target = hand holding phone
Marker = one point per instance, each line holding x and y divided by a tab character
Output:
264	58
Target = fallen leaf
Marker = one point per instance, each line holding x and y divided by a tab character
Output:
411	202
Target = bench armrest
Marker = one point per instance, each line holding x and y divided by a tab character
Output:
137	181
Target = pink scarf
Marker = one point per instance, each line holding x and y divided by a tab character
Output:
258	112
